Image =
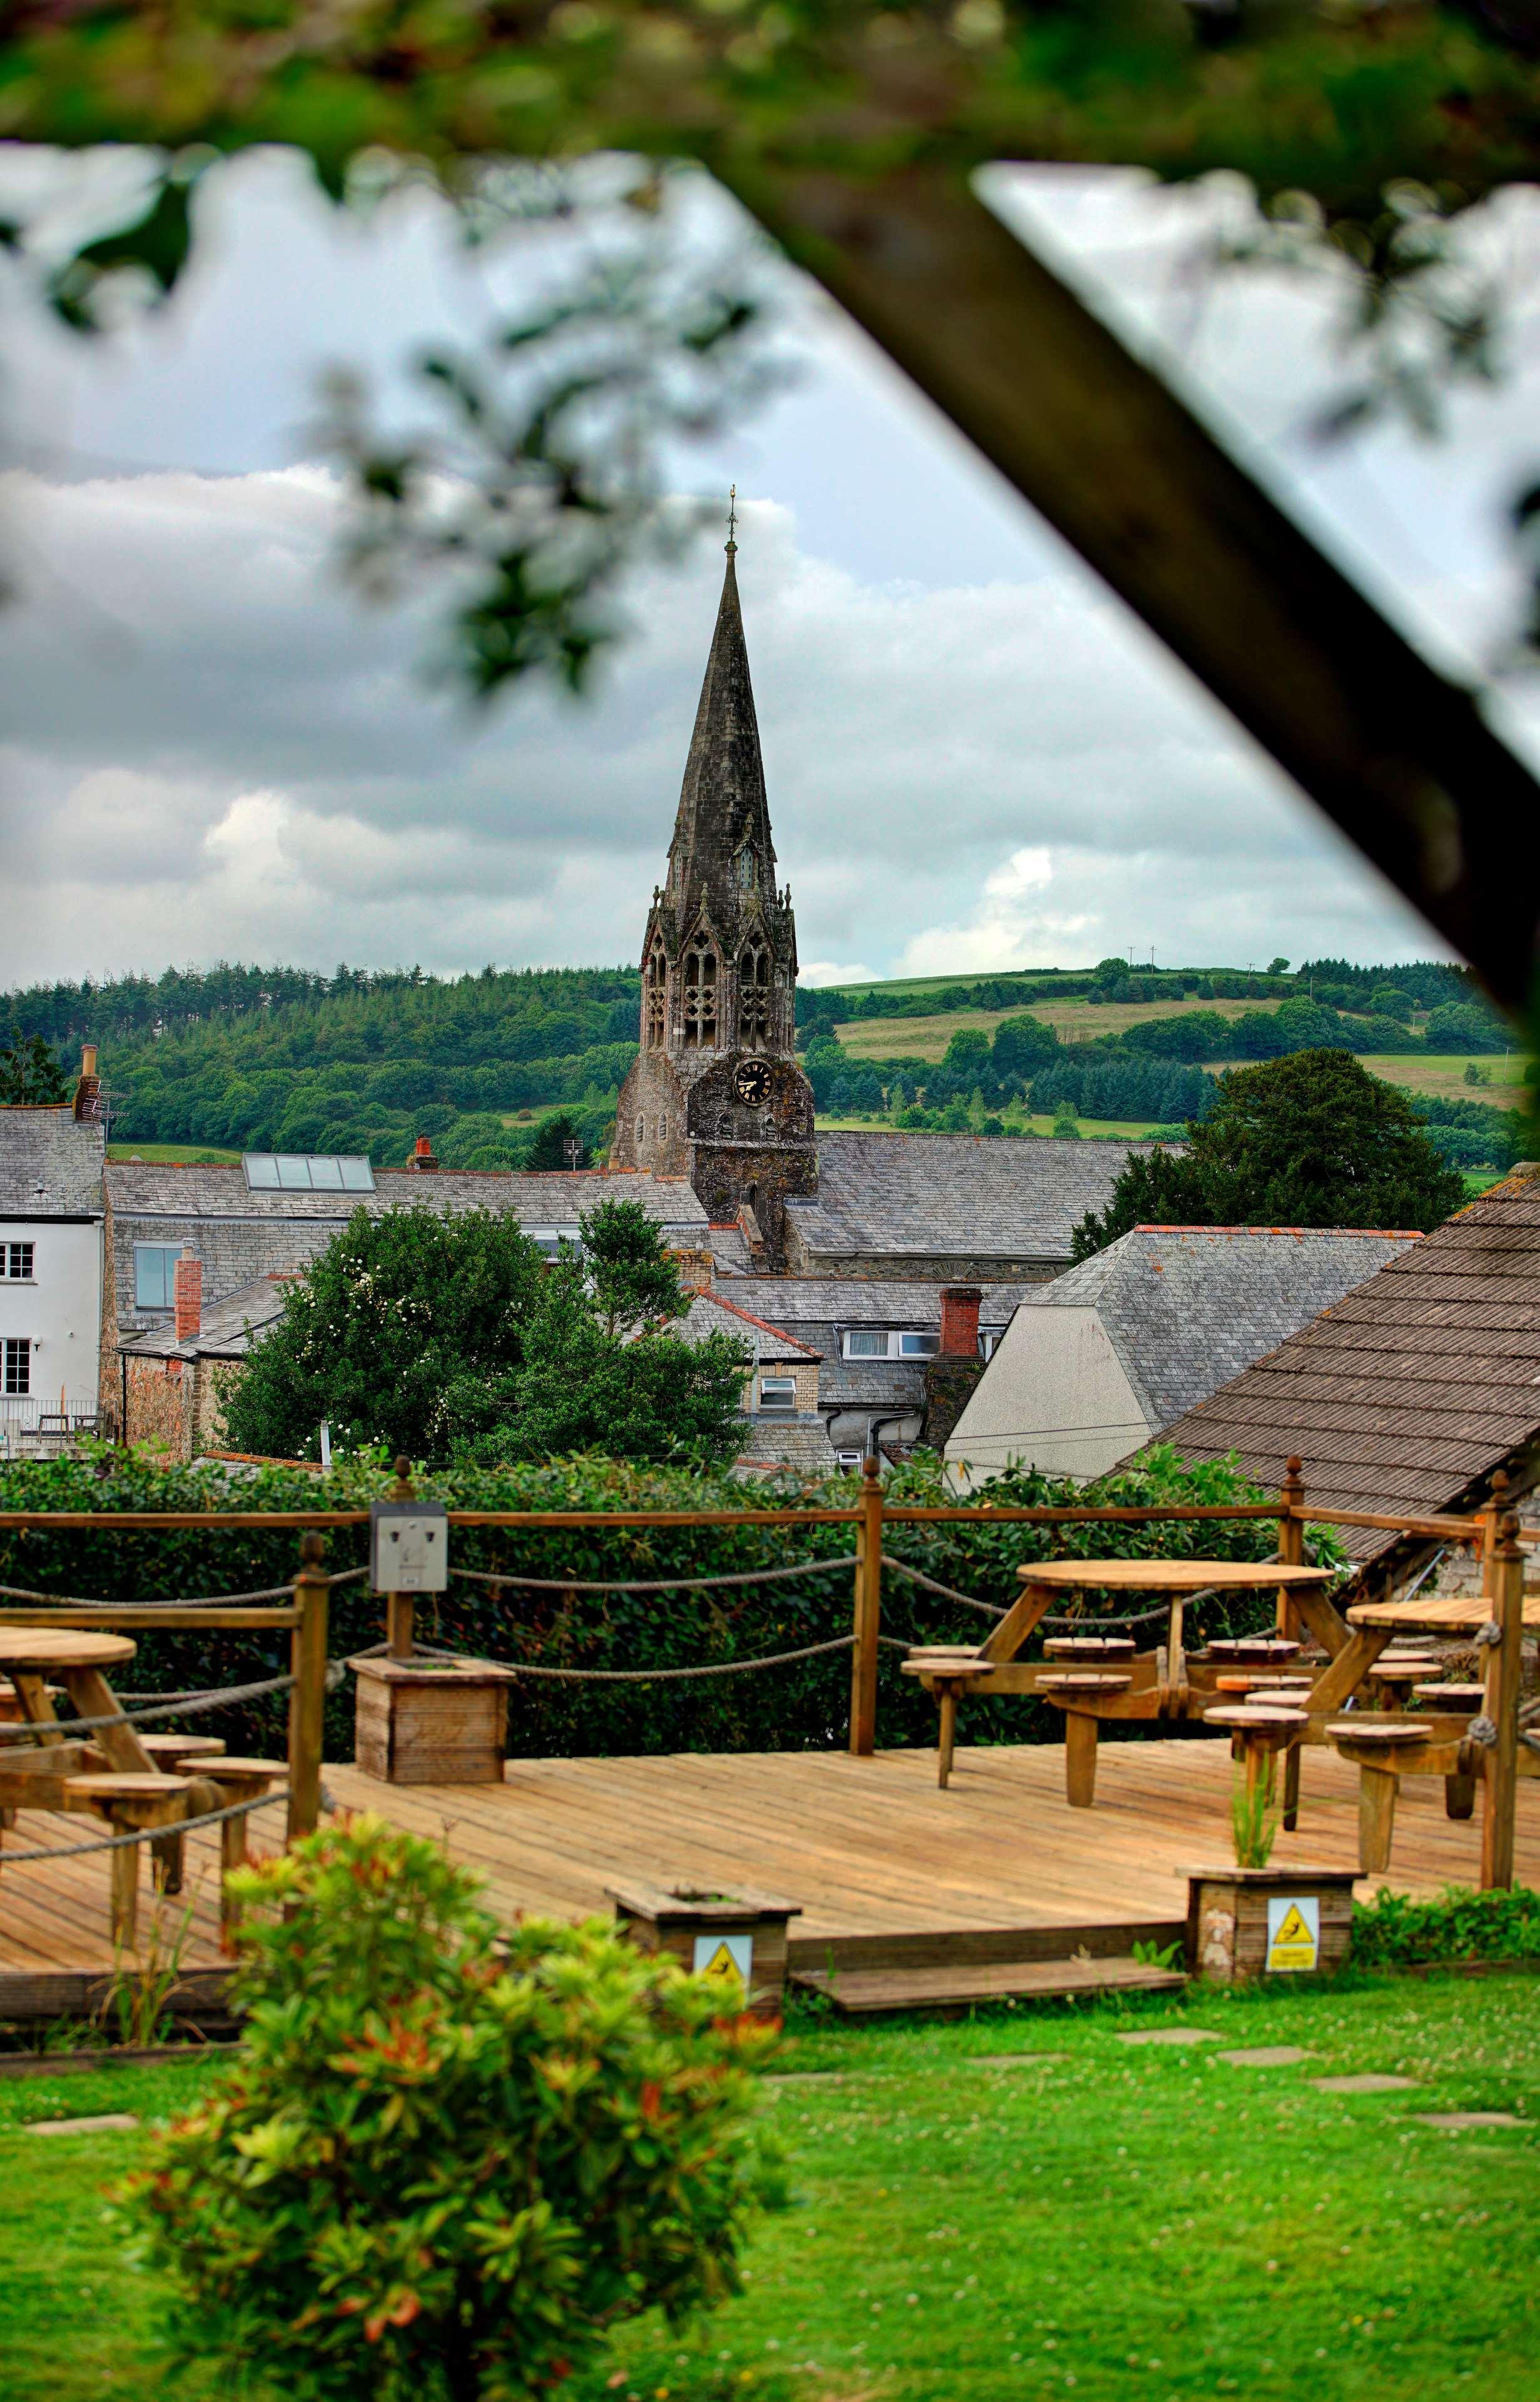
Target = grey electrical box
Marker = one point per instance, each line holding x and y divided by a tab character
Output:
408	1547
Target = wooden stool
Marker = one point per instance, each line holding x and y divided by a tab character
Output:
1089	1650
131	1803
1394	1675
951	1668
1459	1788
1072	1692
1378	1749
1258	1731
1260	1651
237	1780
171	1754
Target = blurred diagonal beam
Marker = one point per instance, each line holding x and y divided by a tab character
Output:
1397	755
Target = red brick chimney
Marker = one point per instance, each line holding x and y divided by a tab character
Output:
422	1158
187	1295
960	1322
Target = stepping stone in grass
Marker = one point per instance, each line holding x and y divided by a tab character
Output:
1013	2059
1171	2035
1266	2056
1368	2082
1453	2122
108	2119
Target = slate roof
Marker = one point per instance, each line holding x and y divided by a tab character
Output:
227	1330
934	1194
241	1236
710	1313
1408	1391
817	1309
800	1443
50	1164
1188	1308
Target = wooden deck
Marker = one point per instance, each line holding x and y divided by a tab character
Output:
871	1849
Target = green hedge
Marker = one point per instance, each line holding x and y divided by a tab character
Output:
1394	1932
794	1708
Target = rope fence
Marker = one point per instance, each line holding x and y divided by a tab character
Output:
168	1706
640	1675
198	1601
10	1859
652	1584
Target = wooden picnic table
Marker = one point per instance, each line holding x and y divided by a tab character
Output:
75	1658
1151	1684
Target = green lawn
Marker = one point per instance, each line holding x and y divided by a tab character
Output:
175	1154
1108	2221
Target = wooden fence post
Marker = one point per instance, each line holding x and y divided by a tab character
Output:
1500	1762
868	1613
1491	1515
1291	1543
401	1607
1291	1552
307	1693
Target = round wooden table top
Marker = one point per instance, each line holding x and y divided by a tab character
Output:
1172	1576
41	1650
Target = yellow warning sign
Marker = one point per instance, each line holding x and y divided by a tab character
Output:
1293	1934
725	1957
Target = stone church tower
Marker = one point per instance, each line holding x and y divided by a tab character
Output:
716	1093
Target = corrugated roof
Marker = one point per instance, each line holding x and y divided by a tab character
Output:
1188	1308
51	1165
1413	1386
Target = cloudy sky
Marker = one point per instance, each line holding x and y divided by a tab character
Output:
977	759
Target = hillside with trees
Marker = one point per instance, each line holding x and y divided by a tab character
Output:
284	1059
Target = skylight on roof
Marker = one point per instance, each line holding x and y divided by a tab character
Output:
306	1171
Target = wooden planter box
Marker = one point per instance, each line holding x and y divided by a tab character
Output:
431	1721
1272	1921
738	1937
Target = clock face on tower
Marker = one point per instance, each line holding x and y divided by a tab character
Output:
752	1081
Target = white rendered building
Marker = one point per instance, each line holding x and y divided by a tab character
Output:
51	1210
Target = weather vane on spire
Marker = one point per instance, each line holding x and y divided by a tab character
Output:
732	517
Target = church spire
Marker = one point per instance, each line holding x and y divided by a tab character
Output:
722	847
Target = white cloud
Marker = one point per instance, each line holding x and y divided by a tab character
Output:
214	750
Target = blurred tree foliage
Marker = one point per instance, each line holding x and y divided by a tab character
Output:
1366	133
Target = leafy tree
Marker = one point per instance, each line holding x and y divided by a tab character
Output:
29	1072
548	1150
1021	1045
1309	1140
1466	1026
453	2155
968	1051
398	1310
632	1280
1389	1001
1277	967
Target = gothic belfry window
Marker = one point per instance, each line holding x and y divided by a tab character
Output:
743	864
657	997
754	995
700	995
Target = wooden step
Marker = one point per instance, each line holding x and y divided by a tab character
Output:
859	1992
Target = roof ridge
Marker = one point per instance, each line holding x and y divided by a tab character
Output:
1380	1234
763	1323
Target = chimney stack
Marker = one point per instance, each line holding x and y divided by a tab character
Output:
88	1091
961	1304
187	1295
422	1159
